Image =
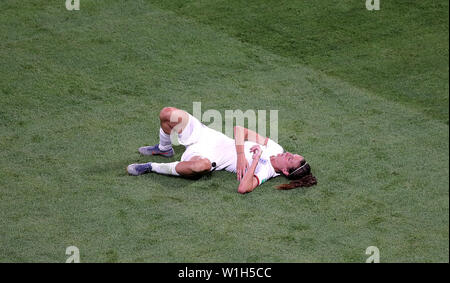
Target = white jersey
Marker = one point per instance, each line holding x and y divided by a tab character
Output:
220	149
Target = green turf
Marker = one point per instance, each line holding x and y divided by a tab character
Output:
399	52
81	91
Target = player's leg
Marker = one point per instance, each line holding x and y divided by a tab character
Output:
171	119
197	166
194	167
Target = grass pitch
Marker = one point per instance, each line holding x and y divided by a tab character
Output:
362	95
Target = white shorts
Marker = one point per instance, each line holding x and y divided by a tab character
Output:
205	142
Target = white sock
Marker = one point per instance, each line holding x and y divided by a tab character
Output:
164	140
165	168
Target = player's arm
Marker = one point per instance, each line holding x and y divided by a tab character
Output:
249	182
241	135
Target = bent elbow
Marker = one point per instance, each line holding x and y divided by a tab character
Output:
242	190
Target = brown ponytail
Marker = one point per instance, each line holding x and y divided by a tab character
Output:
301	177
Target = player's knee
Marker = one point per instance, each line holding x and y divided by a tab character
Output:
202	166
164	114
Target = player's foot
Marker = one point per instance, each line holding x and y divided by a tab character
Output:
139	169
154	150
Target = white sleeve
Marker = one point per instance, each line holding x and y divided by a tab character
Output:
263	171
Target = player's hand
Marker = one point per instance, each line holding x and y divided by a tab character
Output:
242	166
257	151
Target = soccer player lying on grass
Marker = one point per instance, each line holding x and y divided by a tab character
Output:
208	150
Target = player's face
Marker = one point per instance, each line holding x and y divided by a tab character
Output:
288	161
